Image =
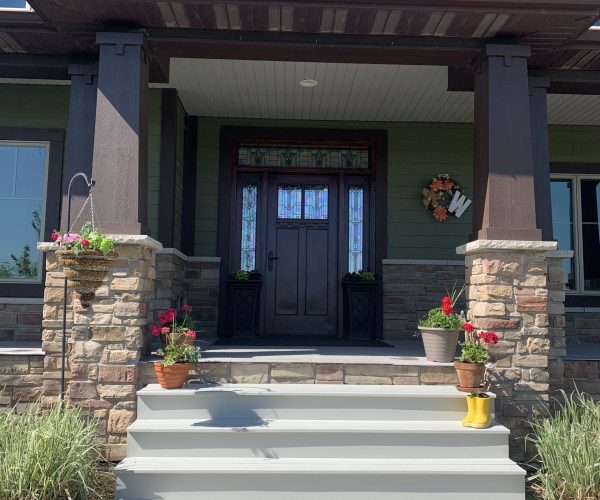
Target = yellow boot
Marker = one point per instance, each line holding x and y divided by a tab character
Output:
470	411
483	414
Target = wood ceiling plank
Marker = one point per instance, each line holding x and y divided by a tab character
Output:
313	20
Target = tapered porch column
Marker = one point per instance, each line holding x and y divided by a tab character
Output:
504	207
121	134
79	150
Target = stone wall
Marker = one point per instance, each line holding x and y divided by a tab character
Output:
583	325
583	375
515	288
105	340
21	320
411	288
21	377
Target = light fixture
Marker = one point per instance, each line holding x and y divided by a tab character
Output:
308	83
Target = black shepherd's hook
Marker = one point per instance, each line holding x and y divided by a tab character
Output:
90	183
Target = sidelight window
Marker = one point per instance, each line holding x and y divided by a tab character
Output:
249	203
355	228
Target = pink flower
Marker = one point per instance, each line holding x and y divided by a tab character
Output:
85	243
186	309
168	316
468	327
165	329
54	236
155	331
191	334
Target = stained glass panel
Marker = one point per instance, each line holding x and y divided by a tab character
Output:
249	197
289	202
316	202
355	228
281	156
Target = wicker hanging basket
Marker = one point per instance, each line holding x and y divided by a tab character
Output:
85	272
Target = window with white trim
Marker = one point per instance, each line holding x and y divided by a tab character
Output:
14	5
576	226
23	179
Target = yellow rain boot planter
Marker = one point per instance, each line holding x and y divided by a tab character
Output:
470	411
479	411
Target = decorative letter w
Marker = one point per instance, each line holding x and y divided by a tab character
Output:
459	204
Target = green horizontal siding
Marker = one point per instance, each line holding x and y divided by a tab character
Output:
154	134
34	106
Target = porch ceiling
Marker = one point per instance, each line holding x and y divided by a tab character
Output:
349	92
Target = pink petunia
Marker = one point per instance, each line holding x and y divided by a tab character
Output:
165	329
191	334
155	331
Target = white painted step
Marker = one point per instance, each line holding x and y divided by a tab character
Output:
303	402
318	479
314	438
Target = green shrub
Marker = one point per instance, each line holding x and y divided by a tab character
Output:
568	446
47	454
437	319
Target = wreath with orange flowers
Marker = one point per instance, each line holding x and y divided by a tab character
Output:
438	195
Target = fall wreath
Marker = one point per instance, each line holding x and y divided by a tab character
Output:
438	195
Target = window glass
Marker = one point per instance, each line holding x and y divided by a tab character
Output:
13	4
289	202
590	233
316	202
249	197
562	222
355	228
22	193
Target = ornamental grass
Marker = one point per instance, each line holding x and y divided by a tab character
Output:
568	446
47	454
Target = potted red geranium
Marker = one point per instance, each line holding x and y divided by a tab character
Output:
177	335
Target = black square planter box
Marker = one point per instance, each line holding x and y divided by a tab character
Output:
359	309
245	304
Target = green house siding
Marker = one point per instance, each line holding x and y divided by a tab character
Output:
34	106
154	134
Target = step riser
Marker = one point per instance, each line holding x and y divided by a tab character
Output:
289	407
317	445
318	486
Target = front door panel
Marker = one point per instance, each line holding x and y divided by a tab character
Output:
301	282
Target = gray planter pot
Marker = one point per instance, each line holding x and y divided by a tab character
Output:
440	344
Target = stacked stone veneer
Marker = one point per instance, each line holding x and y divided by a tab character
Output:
583	325
21	320
21	378
105	340
193	279
411	288
516	289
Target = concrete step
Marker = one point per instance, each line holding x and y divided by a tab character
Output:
316	479
314	438
254	402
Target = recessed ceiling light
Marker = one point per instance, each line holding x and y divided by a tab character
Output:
308	83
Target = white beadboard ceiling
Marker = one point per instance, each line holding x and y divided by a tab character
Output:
352	92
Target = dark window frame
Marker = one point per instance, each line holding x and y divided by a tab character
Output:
56	139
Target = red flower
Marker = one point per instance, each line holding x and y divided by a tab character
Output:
168	316
54	236
448	184
191	334
488	337
446	300
436	185
85	243
186	309
440	213
468	327
165	329
447	309
155	331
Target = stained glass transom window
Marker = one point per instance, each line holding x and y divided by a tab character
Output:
289	202
355	228
249	197
281	156
316	202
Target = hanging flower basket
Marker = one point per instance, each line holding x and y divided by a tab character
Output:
85	272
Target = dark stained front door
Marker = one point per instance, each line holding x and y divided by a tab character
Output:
301	281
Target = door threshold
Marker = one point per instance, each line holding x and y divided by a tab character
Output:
297	341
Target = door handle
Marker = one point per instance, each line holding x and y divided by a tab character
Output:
271	258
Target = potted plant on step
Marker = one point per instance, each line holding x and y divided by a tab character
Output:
440	330
178	352
471	369
244	292
86	257
360	294
175	324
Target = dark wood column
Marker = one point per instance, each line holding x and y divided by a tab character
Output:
120	164
538	103
79	146
504	190
168	167
190	167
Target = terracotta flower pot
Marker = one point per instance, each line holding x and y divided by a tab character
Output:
180	338
470	376
172	377
440	344
85	272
